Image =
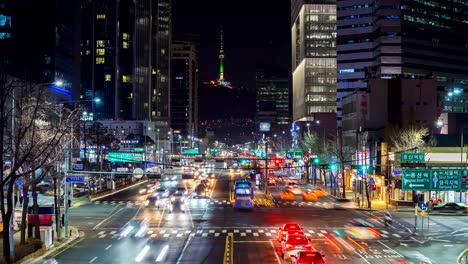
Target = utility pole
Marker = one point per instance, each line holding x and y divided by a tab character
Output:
67	195
265	179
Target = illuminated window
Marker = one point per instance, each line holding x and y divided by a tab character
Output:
125	36
88	52
100	16
108	77
153	72
163	51
126	78
100	52
163	78
100	43
100	60
125	44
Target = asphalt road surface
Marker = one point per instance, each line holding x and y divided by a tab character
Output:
211	231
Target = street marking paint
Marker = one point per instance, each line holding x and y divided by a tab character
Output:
276	254
390	249
91	261
362	257
102	236
162	254
105	219
461	255
229	249
102	232
448	245
109	246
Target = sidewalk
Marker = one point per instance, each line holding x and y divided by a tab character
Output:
44	252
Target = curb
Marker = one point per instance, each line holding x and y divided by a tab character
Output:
50	250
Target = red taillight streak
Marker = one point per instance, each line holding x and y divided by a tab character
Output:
288	246
375	232
332	243
356	243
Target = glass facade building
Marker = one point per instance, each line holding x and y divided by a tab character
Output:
313	34
125	59
272	97
414	38
184	88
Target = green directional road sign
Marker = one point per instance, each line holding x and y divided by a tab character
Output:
445	179
414	179
413	157
464	180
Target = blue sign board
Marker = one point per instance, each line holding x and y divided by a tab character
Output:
423	206
371	181
75	179
288	156
265	127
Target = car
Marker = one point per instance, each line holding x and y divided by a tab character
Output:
362	229
162	193
153	200
293	243
295	188
199	192
178	197
182	190
135	228
307	257
177	202
283	231
459	208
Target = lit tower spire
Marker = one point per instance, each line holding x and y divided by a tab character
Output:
221	57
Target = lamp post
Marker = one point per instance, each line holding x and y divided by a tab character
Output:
180	145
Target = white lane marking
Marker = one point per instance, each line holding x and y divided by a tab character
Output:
448	245
91	261
391	249
362	257
163	253
396	235
102	236
113	232
105	219
184	249
102	232
109	246
274	250
162	216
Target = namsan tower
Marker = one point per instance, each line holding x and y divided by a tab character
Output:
221	57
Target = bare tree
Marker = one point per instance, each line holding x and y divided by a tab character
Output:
30	134
406	138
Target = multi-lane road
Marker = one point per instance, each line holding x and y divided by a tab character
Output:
211	231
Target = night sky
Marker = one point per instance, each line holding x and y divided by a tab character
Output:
255	31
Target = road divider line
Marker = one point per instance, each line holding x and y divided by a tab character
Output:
109	246
91	261
184	249
162	215
107	218
229	249
276	253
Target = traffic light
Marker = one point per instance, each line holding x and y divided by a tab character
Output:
278	162
332	166
316	161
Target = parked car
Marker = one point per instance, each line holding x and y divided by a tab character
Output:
459	208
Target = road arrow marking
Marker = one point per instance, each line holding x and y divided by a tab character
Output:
403	244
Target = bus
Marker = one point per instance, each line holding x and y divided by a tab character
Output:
243	195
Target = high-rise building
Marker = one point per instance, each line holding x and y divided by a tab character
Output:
313	33
414	38
272	97
125	50
40	40
221	57
184	88
107	58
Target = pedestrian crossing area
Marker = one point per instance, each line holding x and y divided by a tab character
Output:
317	204
239	233
212	202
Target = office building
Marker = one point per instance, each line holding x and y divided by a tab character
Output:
125	59
272	97
415	38
184	88
40	40
313	32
